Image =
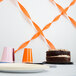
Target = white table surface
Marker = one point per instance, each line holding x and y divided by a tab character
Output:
60	70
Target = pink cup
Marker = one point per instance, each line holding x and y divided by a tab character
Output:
8	55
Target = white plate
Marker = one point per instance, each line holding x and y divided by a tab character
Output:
22	67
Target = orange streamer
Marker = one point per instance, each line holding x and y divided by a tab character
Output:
24	10
1	0
72	3
23	45
73	21
35	36
50	44
56	18
63	11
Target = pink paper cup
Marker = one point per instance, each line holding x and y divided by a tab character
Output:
8	55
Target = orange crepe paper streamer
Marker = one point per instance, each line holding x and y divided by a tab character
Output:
73	21
22	46
40	32
24	10
50	44
37	28
48	25
60	8
63	11
56	18
72	3
1	0
26	13
35	36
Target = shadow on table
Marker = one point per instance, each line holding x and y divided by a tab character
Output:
22	72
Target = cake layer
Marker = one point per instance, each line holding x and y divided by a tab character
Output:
59	56
58	59
56	52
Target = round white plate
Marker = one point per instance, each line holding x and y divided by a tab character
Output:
22	67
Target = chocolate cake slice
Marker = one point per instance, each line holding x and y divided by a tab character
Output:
58	56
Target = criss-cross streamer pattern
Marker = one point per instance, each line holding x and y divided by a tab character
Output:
37	28
63	11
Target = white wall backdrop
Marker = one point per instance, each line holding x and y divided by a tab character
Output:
14	28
